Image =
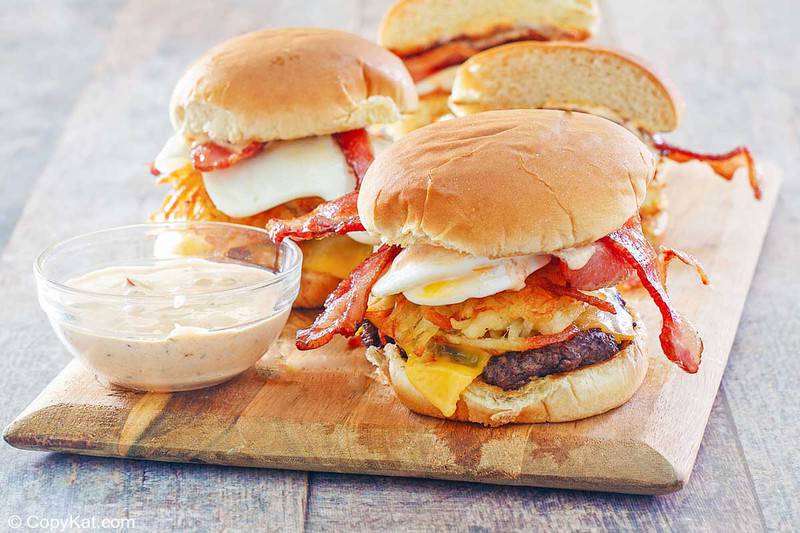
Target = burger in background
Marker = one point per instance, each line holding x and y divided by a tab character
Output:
433	37
592	79
271	124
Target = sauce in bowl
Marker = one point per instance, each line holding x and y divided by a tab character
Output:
182	343
169	307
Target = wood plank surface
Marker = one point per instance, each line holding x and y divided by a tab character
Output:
327	410
735	62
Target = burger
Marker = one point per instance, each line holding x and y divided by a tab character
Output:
492	298
592	79
434	36
271	124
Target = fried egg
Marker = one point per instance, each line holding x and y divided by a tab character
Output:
431	275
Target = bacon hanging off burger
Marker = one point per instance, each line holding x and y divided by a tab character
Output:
724	165
210	156
357	150
604	269
345	306
679	340
666	255
336	217
561	290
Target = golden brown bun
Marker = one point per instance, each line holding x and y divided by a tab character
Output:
567	76
506	183
573	395
314	288
290	83
412	25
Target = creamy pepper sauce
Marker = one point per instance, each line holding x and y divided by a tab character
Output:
191	336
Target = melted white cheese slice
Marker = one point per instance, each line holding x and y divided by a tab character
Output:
283	171
175	155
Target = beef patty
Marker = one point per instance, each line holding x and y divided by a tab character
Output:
370	335
512	370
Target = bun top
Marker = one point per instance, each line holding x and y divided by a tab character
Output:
414	25
571	76
288	84
506	183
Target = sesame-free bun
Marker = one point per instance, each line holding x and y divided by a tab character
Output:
290	83
413	25
563	397
571	76
506	183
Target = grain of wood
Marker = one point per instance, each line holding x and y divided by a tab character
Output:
736	64
324	410
750	97
412	505
97	176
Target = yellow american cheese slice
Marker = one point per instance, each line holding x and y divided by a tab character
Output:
442	380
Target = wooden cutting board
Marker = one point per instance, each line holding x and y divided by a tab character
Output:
327	410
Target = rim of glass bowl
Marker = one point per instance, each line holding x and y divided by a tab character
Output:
296	261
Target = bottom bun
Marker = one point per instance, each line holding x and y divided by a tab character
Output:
314	288
573	395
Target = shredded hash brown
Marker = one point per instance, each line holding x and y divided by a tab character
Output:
507	321
188	200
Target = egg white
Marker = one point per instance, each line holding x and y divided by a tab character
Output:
431	275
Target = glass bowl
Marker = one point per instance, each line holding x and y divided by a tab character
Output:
185	333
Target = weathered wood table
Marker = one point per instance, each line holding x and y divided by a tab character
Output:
83	103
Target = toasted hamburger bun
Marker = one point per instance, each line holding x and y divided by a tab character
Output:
556	179
573	76
290	83
563	397
413	25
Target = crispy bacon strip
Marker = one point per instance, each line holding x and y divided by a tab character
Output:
422	63
520	344
354	342
210	156
429	62
679	340
604	269
357	150
668	254
345	306
571	292
336	217
724	165
540	341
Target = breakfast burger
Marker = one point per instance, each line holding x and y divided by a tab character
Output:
596	80
271	124
434	36
492	297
